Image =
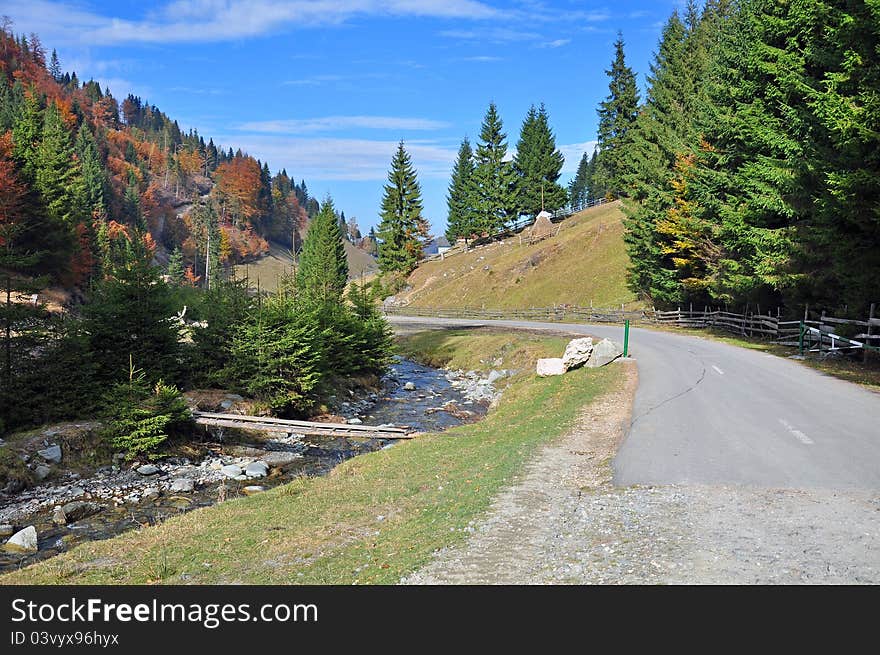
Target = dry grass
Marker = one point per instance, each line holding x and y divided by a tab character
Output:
268	270
586	262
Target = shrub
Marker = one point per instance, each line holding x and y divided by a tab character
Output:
141	418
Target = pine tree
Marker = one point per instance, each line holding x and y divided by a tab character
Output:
617	114
494	195
323	267
57	173
26	136
460	220
578	188
175	267
127	315
402	230
55	66
94	187
538	165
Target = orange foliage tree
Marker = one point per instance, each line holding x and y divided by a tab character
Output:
238	187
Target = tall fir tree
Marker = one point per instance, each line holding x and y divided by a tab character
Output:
403	229
460	197
579	187
323	267
617	114
538	165
495	201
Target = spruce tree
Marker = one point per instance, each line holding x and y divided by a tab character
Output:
460	220
94	186
402	230
175	267
323	267
617	114
538	165
127	316
55	66
494	196
578	188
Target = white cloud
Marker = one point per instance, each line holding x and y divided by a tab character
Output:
482	58
336	123
331	159
492	35
573	153
558	43
218	20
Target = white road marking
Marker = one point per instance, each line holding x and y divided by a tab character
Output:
800	436
718	370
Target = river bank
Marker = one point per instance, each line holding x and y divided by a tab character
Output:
70	508
373	518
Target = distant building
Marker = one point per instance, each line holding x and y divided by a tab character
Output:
437	246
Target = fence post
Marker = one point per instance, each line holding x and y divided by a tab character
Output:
626	338
868	332
801	339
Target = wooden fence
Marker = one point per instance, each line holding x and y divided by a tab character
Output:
571	313
823	332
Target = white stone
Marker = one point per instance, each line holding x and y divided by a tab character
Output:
51	454
256	470
23	541
494	376
604	352
409	386
577	352
354	421
550	366
231	470
250	490
42	472
182	484
148	469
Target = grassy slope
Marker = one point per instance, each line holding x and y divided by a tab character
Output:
328	530
278	262
586	261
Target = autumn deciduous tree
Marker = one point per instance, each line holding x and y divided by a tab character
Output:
238	188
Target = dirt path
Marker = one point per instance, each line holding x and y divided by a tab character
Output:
564	522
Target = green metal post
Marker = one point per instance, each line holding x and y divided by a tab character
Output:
626	338
801	340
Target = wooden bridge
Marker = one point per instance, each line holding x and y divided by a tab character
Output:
309	428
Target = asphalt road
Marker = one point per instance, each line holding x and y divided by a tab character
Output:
710	413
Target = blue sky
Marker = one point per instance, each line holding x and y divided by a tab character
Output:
326	88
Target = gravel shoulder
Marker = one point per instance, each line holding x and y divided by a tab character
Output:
564	522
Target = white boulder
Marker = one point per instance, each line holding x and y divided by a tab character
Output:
23	541
604	352
577	352
550	366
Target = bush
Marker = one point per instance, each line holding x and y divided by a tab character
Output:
141	418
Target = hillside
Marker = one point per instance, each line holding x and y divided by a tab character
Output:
585	262
267	270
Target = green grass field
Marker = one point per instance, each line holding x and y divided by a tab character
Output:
374	518
585	263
